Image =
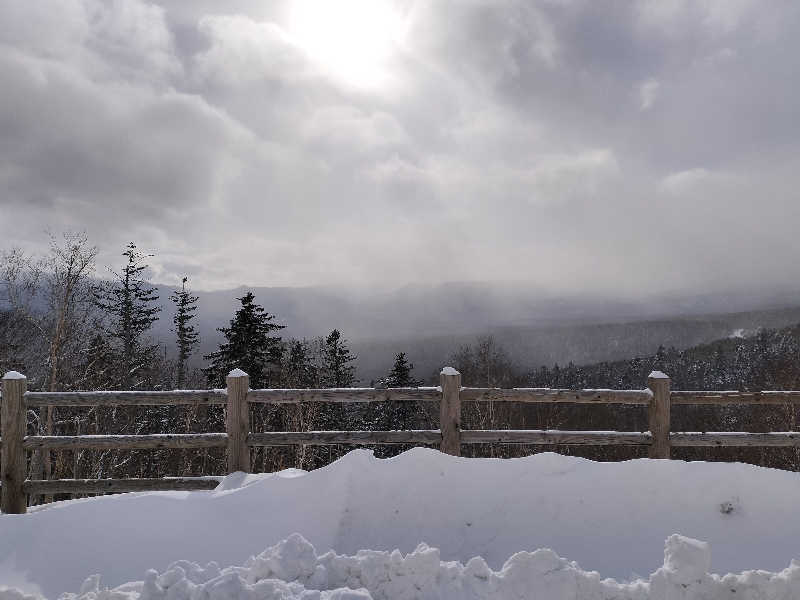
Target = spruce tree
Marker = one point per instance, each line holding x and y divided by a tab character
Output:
400	375
129	303
248	346
186	335
393	414
337	371
337	368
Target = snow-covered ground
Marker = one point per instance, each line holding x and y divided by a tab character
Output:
612	519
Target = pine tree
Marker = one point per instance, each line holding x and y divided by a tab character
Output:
129	303
186	336
248	346
400	375
393	414
337	368
336	371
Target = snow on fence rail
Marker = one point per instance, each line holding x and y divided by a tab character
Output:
238	439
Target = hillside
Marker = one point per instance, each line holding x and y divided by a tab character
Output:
431	322
579	343
764	359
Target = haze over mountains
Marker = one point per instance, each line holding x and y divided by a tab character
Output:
430	322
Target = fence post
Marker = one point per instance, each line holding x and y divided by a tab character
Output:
659	411
14	424
237	421
450	415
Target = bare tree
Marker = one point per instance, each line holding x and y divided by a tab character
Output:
52	296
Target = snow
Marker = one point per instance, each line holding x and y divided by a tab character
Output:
450	371
14	375
237	373
658	375
293	570
519	516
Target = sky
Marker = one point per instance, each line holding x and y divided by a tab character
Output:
618	147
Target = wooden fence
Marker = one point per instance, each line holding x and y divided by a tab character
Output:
238	439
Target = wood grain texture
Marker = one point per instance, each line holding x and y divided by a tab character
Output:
659	416
99	486
127	442
237	423
546	395
734	397
344	395
535	436
450	413
327	438
780	439
133	398
13	461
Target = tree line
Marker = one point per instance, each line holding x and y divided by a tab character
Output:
768	359
67	330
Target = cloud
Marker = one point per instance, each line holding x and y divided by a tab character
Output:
532	140
243	51
676	183
648	92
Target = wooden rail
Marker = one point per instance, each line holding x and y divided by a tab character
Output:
101	486
238	439
196	397
127	442
330	438
348	395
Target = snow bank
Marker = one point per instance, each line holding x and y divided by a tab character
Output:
292	570
611	518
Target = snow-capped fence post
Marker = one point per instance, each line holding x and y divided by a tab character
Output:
450	414
13	498
237	421
659	410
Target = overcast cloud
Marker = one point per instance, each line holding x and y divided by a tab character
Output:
616	146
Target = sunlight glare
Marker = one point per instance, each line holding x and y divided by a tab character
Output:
351	39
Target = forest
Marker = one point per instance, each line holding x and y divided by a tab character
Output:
66	328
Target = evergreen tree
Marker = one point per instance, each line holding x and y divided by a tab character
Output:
248	346
129	304
394	414
299	370
186	336
400	375
337	368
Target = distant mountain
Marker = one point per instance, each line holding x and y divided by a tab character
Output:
429	322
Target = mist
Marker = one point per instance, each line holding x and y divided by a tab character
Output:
431	322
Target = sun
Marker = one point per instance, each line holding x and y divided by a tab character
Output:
351	39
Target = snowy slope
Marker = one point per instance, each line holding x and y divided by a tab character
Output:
608	517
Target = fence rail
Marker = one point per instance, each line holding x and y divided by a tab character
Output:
238	439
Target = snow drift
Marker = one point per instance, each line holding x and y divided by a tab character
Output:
292	570
612	518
